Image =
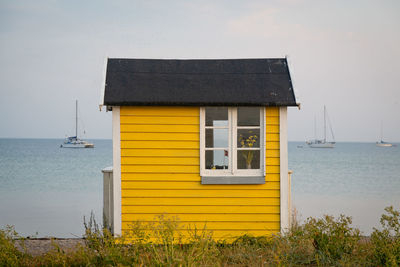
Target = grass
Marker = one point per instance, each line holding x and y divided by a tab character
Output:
326	241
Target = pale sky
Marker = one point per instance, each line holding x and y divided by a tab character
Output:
343	54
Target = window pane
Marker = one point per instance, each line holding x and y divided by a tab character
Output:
216	116
248	138
217	159
217	138
248	116
248	159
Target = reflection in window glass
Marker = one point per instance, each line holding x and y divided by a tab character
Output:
248	159
217	159
248	138
217	138
216	116
248	116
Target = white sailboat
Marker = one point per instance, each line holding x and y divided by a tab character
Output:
383	143
74	141
322	143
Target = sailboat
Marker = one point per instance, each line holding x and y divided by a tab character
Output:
74	141
322	143
383	143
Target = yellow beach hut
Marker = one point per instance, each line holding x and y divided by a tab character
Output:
202	140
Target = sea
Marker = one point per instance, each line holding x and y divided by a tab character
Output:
47	191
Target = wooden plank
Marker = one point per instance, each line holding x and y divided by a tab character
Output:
272	128
273	177
160	128
160	169
272	111
272	120
272	145
160	161
161	144
163	120
211	226
196	201
272	169
272	137
272	161
200	193
138	152
201	209
160	111
271	217
161	177
225	235
161	136
231	235
272	153
195	185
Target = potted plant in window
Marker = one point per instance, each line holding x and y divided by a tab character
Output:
248	142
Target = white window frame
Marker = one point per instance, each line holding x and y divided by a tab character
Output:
232	170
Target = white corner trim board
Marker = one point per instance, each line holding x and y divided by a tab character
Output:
284	169
103	88
116	136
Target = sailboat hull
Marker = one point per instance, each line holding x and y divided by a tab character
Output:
77	145
323	145
75	142
384	144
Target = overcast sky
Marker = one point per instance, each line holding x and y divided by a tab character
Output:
343	54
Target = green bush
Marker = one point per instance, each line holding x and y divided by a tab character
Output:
333	240
9	254
386	242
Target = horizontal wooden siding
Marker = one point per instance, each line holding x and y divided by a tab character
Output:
160	175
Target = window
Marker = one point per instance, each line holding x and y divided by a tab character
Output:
232	145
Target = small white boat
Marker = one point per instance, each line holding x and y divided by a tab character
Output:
74	141
383	143
321	143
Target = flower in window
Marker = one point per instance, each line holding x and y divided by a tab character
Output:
248	142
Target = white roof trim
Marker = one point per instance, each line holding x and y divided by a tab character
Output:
101	103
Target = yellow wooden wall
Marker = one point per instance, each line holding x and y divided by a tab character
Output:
160	173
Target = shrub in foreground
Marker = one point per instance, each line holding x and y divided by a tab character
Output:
9	254
386	242
326	241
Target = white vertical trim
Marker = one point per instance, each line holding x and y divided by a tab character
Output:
101	103
116	170
292	79
284	188
202	140
233	138
263	142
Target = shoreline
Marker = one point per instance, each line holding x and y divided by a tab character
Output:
40	246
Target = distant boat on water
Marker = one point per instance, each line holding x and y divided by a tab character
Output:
74	141
382	143
322	143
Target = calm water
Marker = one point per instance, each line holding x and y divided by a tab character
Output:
46	191
355	179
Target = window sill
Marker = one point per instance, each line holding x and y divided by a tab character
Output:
232	180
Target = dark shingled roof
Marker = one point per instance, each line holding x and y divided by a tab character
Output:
228	82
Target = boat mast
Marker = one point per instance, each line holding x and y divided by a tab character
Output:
76	119
324	124
315	127
381	131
